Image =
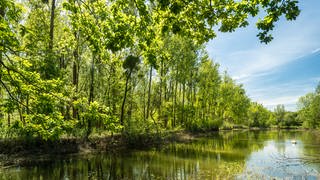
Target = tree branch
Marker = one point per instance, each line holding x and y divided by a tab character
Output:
10	94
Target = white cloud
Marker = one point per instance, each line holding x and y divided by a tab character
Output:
315	51
248	61
266	57
285	93
280	100
241	53
246	78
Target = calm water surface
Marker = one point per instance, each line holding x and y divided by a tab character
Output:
224	155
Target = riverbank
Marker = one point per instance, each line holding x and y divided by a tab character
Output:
238	154
21	152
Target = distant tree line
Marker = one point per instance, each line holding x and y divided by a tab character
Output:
307	114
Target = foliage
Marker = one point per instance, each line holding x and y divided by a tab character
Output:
234	102
309	112
96	116
279	113
258	115
64	65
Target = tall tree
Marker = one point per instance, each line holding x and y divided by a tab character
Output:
279	112
129	64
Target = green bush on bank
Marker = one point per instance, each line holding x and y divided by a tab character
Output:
203	125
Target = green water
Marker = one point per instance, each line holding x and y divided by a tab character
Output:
223	155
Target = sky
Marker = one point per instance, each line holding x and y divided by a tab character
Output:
281	71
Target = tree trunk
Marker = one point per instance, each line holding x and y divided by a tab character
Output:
131	104
1	12
20	113
183	94
75	84
144	101
75	74
9	119
165	92
27	104
160	94
149	92
91	93
175	103
1	17
53	7
124	99
1	97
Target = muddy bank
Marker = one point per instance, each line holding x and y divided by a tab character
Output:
24	152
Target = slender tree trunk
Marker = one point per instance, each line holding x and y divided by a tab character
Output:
9	119
114	90
149	92
183	94
190	101
27	104
1	97
75	74
131	104
175	103
1	12
178	103
144	101
165	91
1	51
53	7
1	114
160	94
109	88
131	108
124	98
20	113
91	92
75	84
1	61
172	94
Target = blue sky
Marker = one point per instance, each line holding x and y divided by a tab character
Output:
281	71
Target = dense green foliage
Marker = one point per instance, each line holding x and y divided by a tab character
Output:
71	67
309	109
284	119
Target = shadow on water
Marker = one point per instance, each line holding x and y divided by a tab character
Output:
224	155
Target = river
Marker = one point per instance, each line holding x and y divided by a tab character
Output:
222	155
